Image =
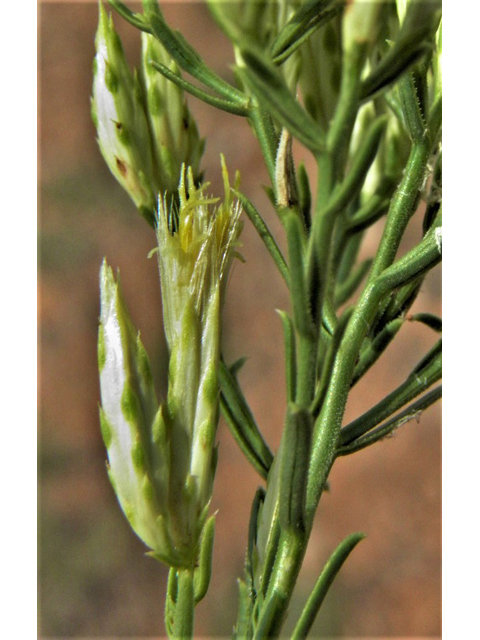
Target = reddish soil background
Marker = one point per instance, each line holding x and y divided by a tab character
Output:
94	579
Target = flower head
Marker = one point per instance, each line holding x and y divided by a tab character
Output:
162	459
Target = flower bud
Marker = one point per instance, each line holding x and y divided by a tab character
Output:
119	117
196	244
175	136
132	425
361	23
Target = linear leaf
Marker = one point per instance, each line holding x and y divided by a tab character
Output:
305	21
375	348
268	85
426	373
290	354
294	468
298	286
219	103
413	42
242	423
388	428
428	319
265	234
320	590
346	289
135	19
187	57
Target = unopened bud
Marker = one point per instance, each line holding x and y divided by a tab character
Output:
119	116
131	423
197	244
361	23
176	140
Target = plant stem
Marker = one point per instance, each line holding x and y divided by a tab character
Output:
184	607
291	550
401	208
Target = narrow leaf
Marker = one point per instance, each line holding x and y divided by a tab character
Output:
252	534
426	373
241	438
434	353
346	289
360	165
305	21
428	319
268	85
294	468
375	348
135	19
245	606
218	103
290	354
298	289
297	24
304	195
320	590
170	601
187	57
329	361
242	423
265	234
387	429
203	572
397	307
414	40
373	210
412	114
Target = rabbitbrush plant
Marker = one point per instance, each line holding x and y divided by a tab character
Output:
358	85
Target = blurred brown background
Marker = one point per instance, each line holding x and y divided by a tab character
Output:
94	579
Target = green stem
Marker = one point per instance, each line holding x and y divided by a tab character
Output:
306	367
327	426
402	207
290	554
185	605
180	604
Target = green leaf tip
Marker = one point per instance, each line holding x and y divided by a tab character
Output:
203	571
323	584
